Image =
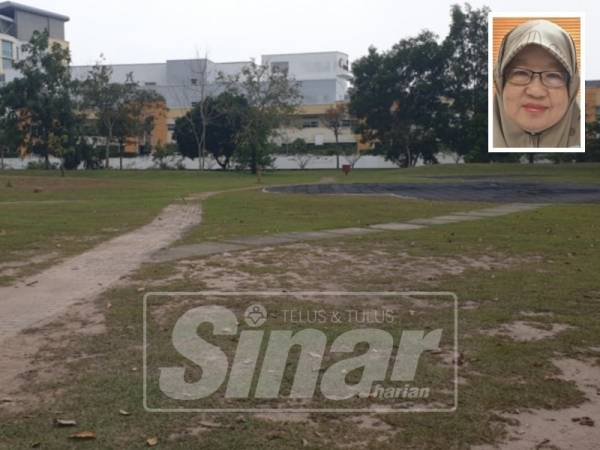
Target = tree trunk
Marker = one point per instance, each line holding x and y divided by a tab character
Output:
120	155
203	149
47	160
253	161
337	159
107	150
1	158
337	152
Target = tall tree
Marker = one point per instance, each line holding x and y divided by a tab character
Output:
134	115
271	97
333	119
466	83
42	97
117	107
197	93
105	100
10	131
397	99
228	113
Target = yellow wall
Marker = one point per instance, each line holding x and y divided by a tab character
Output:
159	133
592	101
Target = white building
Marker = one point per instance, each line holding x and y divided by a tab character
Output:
17	24
323	79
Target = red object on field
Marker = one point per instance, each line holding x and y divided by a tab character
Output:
347	168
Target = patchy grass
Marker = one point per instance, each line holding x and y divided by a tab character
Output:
541	261
43	213
544	261
258	213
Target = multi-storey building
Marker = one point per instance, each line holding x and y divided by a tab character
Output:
322	78
17	24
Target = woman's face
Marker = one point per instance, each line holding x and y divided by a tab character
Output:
535	107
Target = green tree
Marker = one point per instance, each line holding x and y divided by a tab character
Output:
42	98
10	132
465	78
105	101
271	97
592	147
228	113
592	142
397	99
117	107
333	119
131	118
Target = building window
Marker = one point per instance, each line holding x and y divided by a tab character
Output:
171	127
7	55
310	122
150	83
194	81
194	104
598	113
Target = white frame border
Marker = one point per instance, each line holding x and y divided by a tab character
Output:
452	295
565	14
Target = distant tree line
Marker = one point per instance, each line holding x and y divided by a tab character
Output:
426	96
422	97
47	113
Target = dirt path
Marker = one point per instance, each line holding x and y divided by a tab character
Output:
48	294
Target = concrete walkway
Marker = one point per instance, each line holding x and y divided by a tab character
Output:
44	296
488	190
249	242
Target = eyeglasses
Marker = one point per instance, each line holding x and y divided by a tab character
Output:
550	79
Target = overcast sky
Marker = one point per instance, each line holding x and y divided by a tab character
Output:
132	31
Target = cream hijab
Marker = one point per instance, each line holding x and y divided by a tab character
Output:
559	44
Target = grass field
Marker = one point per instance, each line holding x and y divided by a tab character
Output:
45	217
537	267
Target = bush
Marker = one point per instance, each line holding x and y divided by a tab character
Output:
92	156
71	159
164	155
41	165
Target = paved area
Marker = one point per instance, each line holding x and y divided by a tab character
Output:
49	293
249	242
479	191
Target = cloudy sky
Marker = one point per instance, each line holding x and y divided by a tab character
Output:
133	31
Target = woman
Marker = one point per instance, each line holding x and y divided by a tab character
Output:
537	85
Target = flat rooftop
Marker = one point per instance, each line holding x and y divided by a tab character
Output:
8	6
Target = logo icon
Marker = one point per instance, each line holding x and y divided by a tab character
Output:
255	315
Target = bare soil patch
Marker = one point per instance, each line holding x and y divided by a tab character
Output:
14	268
565	429
307	266
528	331
41	299
30	358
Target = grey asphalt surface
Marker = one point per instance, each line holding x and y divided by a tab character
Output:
478	191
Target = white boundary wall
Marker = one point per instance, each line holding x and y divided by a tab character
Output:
282	162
